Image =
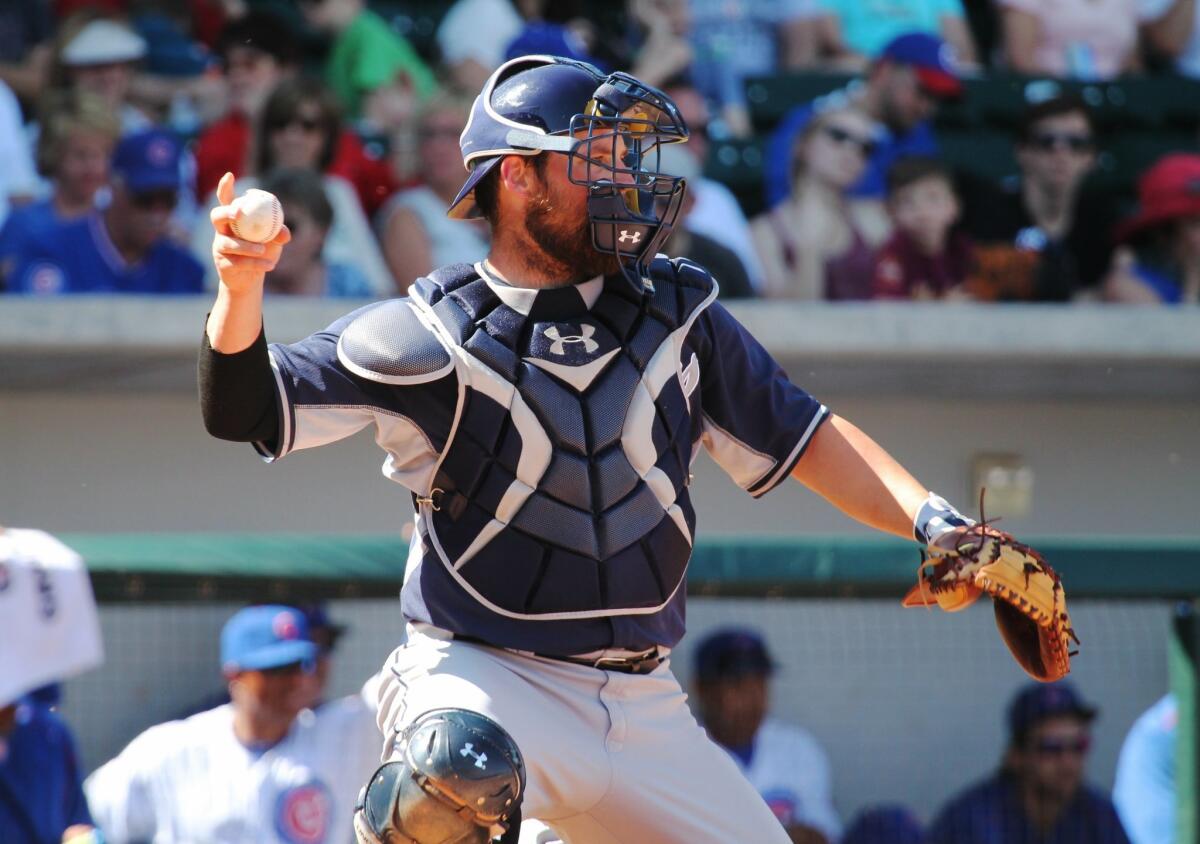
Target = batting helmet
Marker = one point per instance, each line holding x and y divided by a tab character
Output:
611	126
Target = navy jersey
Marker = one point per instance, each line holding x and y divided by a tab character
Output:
573	398
40	791
990	812
79	257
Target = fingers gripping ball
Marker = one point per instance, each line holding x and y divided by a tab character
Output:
259	217
1028	597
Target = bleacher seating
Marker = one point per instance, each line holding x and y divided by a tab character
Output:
1138	120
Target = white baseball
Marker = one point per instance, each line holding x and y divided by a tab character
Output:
260	217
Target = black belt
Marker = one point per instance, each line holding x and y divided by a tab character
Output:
643	664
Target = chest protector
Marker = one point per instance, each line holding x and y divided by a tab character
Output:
562	491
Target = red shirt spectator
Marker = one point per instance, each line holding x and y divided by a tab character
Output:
224	147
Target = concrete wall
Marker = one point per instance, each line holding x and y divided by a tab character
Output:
99	428
142	462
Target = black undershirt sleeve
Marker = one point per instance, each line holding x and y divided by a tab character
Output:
237	393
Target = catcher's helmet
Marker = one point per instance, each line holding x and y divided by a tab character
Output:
611	126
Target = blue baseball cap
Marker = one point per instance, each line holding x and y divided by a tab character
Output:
1039	701
732	652
148	161
932	59
267	636
548	39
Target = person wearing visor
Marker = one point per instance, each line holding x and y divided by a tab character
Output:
543	407
260	768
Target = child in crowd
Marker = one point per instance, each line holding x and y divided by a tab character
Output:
926	257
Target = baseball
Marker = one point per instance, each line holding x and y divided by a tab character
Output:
260	217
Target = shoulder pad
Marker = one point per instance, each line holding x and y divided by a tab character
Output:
680	271
390	343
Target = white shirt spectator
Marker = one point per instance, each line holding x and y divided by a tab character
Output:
717	215
791	771
192	780
479	30
450	241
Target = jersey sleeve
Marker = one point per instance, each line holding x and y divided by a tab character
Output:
756	423
120	794
320	401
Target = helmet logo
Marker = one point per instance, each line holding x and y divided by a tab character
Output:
633	237
469	750
558	347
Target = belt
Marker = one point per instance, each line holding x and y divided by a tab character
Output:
642	664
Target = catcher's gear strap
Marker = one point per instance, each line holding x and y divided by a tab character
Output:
935	518
460	780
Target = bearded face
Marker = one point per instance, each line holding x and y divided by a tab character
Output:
557	221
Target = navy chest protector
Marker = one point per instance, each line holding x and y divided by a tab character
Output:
562	491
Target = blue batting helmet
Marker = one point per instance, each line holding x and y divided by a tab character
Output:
610	125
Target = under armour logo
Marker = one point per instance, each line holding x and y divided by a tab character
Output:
558	347
633	237
469	750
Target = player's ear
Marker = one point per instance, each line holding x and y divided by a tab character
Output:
518	176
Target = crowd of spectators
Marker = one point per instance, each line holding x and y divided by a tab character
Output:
353	111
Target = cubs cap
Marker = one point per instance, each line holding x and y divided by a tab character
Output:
932	59
267	636
732	652
148	161
1039	701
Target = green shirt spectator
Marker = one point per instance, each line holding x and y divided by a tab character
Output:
368	58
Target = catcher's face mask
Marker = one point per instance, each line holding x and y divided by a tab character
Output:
632	203
612	128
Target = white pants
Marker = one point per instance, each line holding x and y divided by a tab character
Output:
611	758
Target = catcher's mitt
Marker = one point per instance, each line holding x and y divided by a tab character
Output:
1028	597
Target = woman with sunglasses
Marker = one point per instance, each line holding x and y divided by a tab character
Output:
299	128
819	244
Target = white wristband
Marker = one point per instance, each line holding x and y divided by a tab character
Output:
935	518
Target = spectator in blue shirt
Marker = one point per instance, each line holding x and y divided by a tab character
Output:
124	248
74	149
901	91
1039	795
41	796
1144	791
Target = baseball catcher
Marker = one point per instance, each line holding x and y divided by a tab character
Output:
965	561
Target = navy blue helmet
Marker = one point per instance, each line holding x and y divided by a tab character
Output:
612	127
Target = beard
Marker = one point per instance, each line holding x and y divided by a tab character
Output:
566	249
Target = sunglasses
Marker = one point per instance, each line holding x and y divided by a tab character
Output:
308	124
841	136
1058	747
1047	141
155	199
